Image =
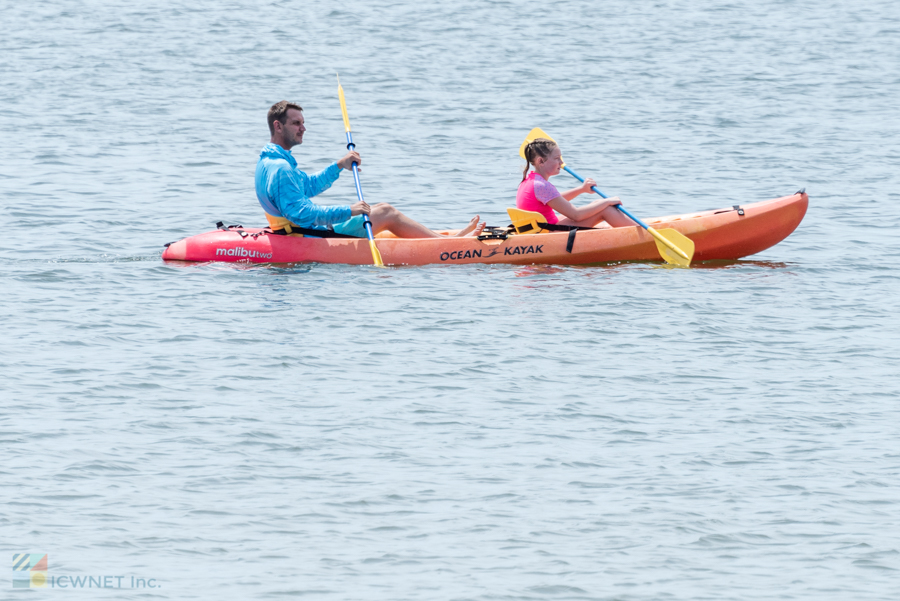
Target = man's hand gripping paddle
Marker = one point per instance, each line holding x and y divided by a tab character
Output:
376	256
674	247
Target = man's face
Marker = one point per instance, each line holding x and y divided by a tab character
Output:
292	130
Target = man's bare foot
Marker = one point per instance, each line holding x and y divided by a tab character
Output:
473	229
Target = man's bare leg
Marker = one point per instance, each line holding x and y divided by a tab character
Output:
386	217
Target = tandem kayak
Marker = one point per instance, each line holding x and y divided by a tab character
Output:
729	233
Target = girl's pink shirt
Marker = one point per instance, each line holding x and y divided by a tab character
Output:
534	194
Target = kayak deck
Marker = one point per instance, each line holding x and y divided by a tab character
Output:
727	233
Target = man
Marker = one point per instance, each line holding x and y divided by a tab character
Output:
285	192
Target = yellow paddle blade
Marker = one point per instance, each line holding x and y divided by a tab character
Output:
376	256
673	246
343	105
526	222
537	132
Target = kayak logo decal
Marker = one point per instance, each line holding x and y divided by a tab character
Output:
242	252
456	255
524	250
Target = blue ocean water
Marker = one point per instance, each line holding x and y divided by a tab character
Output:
469	432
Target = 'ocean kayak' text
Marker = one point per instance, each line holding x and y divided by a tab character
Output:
456	255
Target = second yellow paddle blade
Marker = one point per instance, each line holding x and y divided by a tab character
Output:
678	240
537	132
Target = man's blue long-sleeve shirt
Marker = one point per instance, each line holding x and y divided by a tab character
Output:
285	191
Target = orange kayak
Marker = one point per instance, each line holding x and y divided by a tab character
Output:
730	233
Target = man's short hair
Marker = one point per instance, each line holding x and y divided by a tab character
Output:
278	112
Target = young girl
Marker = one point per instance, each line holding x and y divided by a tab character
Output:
536	193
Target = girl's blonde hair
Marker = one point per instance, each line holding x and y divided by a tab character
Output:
539	147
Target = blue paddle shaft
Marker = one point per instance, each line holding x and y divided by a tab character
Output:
355	166
597	190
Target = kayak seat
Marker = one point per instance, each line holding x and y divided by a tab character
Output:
527	222
532	222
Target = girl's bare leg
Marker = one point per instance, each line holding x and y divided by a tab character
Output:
611	215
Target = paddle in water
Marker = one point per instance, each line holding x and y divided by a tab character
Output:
673	246
376	256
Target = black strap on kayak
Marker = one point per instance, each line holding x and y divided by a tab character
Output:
550	227
555	227
571	241
329	233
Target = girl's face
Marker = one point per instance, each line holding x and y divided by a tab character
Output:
552	164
